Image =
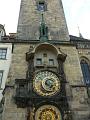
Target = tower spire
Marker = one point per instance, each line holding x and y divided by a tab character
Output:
80	35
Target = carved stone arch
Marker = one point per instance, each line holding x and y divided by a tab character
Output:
46	45
60	54
85	59
85	67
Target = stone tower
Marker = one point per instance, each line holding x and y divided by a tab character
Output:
47	79
30	18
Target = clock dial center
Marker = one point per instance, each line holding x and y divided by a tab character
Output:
49	83
46	83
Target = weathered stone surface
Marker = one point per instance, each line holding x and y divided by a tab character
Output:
11	112
73	74
30	18
72	65
28	29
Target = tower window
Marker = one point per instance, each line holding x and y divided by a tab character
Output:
39	61
51	62
41	6
1	75
3	53
86	72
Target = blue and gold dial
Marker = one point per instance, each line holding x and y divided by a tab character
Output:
46	83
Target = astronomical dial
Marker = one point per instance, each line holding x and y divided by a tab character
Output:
47	112
46	83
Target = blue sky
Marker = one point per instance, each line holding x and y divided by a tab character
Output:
77	13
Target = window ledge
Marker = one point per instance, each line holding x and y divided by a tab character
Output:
2	59
48	66
51	66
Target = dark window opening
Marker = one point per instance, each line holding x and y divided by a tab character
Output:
21	86
39	61
51	62
3	53
42	6
86	72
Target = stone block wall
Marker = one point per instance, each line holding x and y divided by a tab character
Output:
84	53
17	71
72	65
30	18
10	111
78	102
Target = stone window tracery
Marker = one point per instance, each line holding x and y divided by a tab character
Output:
86	71
86	74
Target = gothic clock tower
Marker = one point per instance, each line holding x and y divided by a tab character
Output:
30	18
44	21
40	87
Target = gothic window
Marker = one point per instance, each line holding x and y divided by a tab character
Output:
38	61
86	72
3	53
41	6
1	75
51	62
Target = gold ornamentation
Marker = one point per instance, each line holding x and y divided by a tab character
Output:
46	83
47	112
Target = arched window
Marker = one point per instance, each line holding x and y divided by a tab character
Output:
86	71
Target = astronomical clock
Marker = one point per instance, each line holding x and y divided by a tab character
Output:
43	91
46	83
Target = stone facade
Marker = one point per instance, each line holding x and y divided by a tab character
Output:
30	18
4	69
57	60
77	95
